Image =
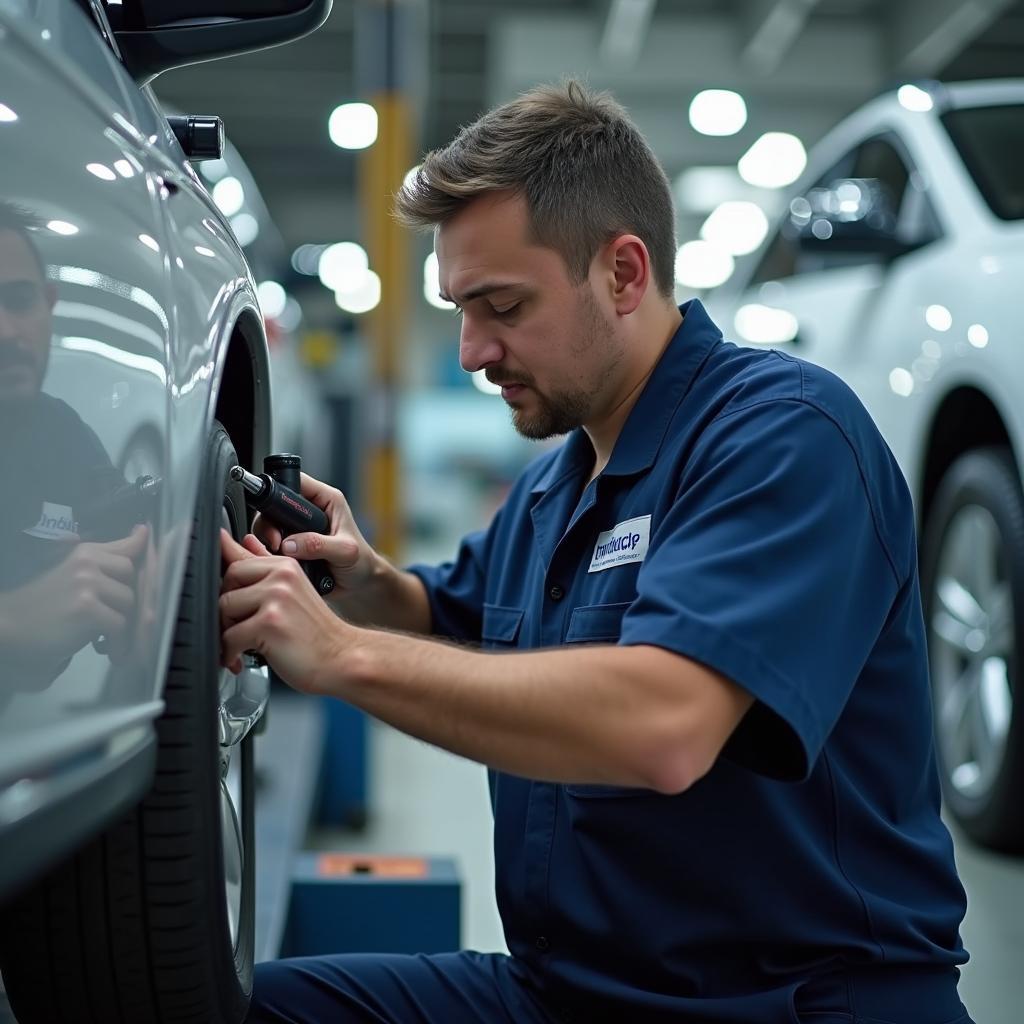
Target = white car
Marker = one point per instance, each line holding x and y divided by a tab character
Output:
134	374
899	265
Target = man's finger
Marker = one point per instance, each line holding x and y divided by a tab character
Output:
338	550
132	545
252	543
319	493
246	571
238	605
235	641
231	551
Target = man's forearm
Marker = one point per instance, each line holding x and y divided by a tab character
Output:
393	599
631	716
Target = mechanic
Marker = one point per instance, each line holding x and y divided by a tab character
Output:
58	592
703	692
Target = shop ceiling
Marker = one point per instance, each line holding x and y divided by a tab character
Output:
800	65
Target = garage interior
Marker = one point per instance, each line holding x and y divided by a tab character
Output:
344	803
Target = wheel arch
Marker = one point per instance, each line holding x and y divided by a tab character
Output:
243	398
967	418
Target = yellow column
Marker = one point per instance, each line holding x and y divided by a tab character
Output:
381	171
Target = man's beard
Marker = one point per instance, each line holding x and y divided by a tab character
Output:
20	376
563	411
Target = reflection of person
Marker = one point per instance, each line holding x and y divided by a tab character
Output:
57	592
714	789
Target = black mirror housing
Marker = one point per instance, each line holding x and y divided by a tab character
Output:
152	39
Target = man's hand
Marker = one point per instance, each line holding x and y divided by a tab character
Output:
268	605
351	560
92	592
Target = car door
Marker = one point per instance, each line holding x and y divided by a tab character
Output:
842	309
84	284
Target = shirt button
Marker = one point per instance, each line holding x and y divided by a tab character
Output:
542	943
556	593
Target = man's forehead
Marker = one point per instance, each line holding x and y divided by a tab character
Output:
17	261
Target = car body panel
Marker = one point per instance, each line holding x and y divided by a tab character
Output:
150	292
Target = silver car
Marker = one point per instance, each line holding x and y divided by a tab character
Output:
127	313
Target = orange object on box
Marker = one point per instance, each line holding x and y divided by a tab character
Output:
333	864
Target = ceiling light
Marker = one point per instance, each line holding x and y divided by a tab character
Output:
273	298
938	318
736	227
353	126
150	242
901	382
213	170
481	383
977	335
6	114
101	171
718	112
203	251
291	316
777	159
62	227
229	195
432	284
245	227
362	297
701	189
765	325
124	168
703	265
913	98
341	264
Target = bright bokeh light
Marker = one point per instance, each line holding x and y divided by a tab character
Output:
777	159
361	296
718	112
6	114
124	168
481	383
306	259
245	227
229	195
914	98
738	227
432	284
150	242
701	189
291	315
353	126
765	325
62	227
342	265
977	335
703	265
938	318
273	298
213	170
101	171
901	382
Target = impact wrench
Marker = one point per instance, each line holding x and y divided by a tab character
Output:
288	510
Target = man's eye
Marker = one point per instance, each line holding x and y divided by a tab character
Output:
457	311
508	310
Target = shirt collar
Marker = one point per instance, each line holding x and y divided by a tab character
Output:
644	430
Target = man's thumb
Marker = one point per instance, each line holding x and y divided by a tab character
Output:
339	551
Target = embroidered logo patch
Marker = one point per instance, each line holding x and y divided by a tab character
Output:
622	544
55	522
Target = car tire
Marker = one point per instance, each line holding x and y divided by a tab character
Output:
136	928
972	579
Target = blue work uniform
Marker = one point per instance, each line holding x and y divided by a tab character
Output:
751	518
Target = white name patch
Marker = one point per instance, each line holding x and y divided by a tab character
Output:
55	522
622	544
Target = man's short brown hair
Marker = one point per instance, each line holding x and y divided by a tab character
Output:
586	173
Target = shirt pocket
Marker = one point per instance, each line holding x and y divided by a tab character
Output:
598	623
501	625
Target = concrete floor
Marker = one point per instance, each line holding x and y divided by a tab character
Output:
424	801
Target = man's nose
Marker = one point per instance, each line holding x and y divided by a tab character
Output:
9	326
478	347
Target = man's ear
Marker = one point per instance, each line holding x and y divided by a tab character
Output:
629	264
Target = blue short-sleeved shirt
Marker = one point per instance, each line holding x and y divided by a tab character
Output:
751	518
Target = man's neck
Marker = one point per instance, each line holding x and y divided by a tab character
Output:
603	434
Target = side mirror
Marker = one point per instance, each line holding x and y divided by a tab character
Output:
853	215
157	35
